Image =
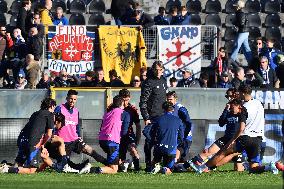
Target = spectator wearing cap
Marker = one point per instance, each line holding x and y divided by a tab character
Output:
44	82
89	79
32	71
59	18
271	52
21	81
99	78
270	80
239	77
224	81
253	79
115	81
161	18
187	80
173	82
136	82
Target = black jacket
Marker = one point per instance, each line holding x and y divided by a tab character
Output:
118	7
236	83
145	21
35	46
153	95
241	21
272	78
23	22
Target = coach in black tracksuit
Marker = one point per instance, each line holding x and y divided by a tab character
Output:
153	95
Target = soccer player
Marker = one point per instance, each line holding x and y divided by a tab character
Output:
70	133
130	140
248	138
181	112
166	130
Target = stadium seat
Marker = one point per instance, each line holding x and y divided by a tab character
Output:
230	34
272	6
213	6
213	19
77	6
35	5
229	45
254	20
229	20
252	6
273	32
58	3
3	6
96	19
13	20
193	6
195	19
2	19
97	6
254	32
272	20
77	19
172	3
229	8
15	7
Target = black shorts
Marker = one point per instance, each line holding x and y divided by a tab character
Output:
112	150
124	144
252	147
76	146
221	142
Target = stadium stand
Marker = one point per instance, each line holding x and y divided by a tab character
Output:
172	3
58	3
77	19
13	20
213	19
229	45
2	19
229	8
193	6
97	6
15	7
77	6
229	20
230	34
254	32
212	6
253	6
273	32
96	19
195	19
272	20
254	20
271	6
3	6
35	4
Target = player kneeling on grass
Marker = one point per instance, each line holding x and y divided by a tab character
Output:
32	139
166	130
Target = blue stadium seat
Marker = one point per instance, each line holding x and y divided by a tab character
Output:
172	3
195	19
15	7
253	6
213	19
193	6
213	6
58	3
272	20
230	34
77	19
254	20
77	6
2	19
272	6
96	19
254	32
229	20
97	6
229	8
3	6
273	32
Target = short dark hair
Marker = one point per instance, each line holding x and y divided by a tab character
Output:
161	9
59	117
72	92
112	73
272	40
124	93
222	48
168	106
154	67
25	2
246	89
89	73
173	79
236	101
47	103
172	93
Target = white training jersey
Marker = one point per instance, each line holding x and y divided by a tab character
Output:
255	121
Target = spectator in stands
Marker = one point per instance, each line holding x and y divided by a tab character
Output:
6	44
99	78
271	52
239	77
136	82
118	9
65	80
188	79
243	32
183	16
89	79
46	16
203	80
24	17
259	44
270	80
143	74
253	79
21	81
44	82
224	81
114	79
37	23
59	18
173	82
280	69
32	70
173	15
35	44
221	63
139	17
161	18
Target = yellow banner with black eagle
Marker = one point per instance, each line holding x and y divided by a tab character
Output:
122	49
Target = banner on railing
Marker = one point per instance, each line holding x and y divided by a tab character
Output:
122	49
179	48
71	48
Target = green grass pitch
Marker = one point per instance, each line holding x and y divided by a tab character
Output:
224	177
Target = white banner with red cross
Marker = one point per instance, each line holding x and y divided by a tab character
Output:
71	48
180	48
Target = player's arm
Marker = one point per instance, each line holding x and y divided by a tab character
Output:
125	118
146	91
223	118
185	118
181	130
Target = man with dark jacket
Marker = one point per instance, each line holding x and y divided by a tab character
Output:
243	32
35	44
239	77
138	17
118	9
23	18
153	95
